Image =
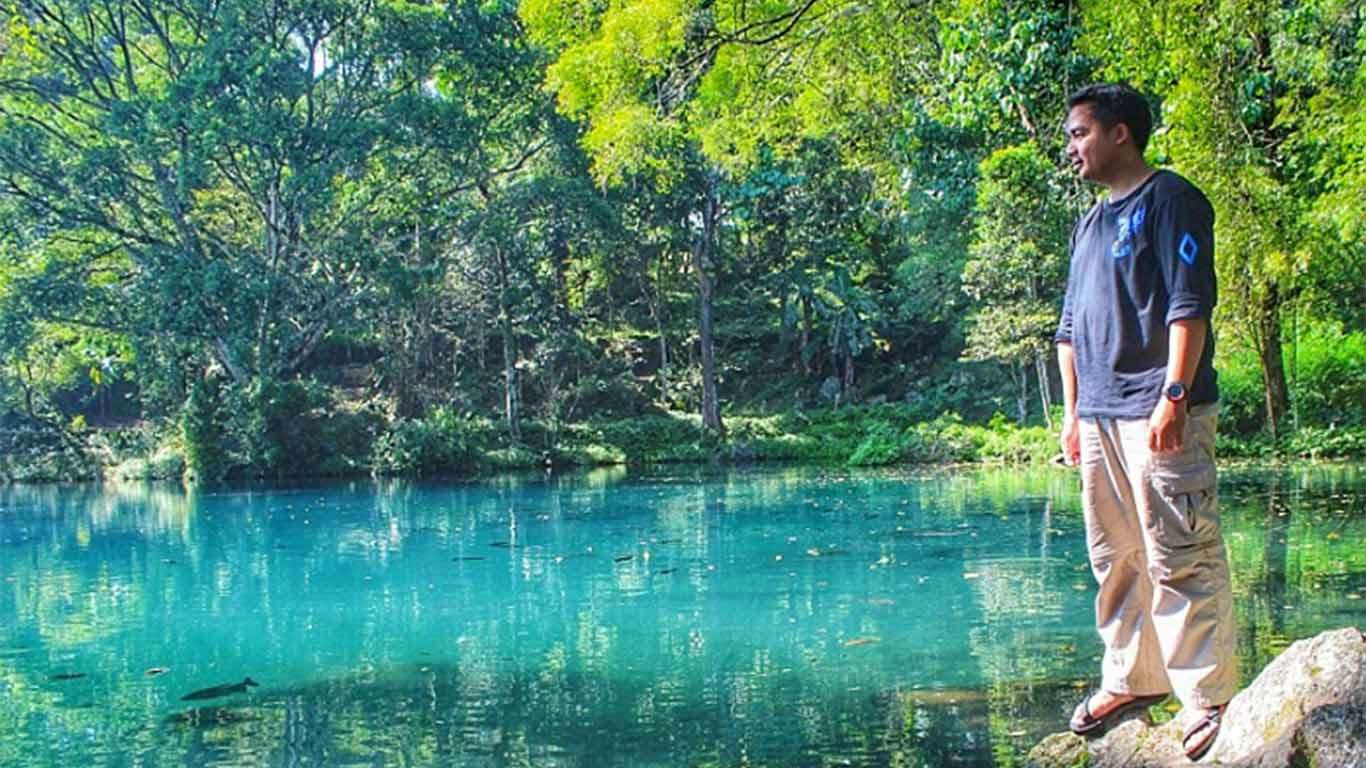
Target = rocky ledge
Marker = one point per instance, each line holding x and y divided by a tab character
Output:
1307	708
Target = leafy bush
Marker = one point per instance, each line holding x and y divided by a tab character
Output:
35	451
884	445
167	462
1327	442
1328	376
947	438
203	434
443	443
1242	409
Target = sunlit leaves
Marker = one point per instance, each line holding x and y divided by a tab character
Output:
1019	250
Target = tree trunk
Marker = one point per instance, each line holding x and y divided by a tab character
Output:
702	265
803	362
1273	363
559	257
511	388
1045	393
26	381
655	301
1022	396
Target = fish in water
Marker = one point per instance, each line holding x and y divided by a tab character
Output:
861	641
504	545
469	558
666	571
68	676
622	558
154	671
226	689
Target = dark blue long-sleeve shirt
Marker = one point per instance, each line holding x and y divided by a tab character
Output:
1139	264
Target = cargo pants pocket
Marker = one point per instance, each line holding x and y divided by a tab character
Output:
1182	506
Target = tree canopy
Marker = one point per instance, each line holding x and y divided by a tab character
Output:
232	216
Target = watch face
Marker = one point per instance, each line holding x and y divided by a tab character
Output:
1176	391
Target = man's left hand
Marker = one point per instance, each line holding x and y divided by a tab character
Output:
1167	427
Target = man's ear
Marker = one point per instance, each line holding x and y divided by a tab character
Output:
1122	134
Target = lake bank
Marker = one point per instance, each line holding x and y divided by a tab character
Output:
446	444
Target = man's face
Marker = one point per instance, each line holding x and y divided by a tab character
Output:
1091	147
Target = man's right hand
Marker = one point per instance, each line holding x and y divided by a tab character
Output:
1070	441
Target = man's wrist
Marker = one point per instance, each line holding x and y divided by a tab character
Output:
1175	392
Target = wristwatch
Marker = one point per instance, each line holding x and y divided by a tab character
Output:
1175	391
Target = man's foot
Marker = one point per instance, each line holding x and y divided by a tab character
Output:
1201	734
1097	712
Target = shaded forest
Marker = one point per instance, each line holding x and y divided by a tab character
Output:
253	238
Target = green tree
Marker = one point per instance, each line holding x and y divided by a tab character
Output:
1262	106
618	68
219	166
1019	254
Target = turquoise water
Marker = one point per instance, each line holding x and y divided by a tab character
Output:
767	617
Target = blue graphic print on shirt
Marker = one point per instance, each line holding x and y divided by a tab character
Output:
1128	227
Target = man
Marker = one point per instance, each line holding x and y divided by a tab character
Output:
1135	350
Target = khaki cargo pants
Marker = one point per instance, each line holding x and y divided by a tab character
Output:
1165	608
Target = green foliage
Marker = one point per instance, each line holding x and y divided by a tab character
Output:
1241	396
1304	443
1262	105
165	463
948	439
367	220
443	443
203	430
883	446
1326	367
35	451
1019	256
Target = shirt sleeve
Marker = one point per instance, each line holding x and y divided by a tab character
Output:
1183	243
1064	332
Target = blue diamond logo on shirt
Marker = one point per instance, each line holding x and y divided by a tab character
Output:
1136	220
1188	248
1120	249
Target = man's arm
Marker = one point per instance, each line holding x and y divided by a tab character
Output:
1071	435
1185	342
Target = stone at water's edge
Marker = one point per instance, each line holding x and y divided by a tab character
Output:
1307	708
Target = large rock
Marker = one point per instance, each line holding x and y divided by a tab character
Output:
1307	708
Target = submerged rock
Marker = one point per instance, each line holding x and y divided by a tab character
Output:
1307	708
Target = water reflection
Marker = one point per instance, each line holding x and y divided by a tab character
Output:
681	618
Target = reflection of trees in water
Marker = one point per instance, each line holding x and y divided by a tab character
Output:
150	509
1021	646
444	715
1297	550
644	665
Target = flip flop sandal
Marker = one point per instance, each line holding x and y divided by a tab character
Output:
1209	725
1083	723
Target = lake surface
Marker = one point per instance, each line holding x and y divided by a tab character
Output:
774	617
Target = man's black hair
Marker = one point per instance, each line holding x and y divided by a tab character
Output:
1114	103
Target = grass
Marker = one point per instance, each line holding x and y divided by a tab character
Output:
451	444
